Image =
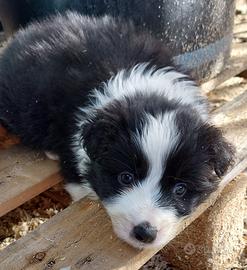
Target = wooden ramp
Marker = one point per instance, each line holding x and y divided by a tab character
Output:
23	175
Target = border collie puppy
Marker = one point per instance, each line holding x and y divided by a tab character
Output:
127	126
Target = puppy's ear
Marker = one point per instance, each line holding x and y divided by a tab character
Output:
98	134
221	152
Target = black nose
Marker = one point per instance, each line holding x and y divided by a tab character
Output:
145	233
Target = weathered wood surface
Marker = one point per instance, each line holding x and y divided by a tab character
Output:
23	175
240	28
81	237
237	64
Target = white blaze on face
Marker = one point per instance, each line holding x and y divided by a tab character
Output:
140	203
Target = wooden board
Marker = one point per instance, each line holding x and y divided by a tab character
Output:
240	28
81	236
23	175
237	64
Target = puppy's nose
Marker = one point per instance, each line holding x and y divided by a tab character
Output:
144	232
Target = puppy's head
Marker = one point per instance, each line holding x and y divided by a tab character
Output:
152	167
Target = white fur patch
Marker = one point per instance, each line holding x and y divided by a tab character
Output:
158	138
81	156
164	82
79	191
140	203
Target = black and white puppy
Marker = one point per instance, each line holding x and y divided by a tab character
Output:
127	126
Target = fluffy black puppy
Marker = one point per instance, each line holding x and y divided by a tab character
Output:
126	125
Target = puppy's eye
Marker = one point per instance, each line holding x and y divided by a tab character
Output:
125	178
180	189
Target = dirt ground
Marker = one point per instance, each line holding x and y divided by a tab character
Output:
30	215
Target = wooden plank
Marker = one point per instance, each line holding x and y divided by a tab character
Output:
237	64
6	139
23	175
240	28
81	236
239	50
